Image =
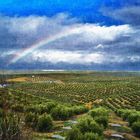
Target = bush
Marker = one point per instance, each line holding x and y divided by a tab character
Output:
92	136
74	134
87	124
86	129
124	113
99	112
10	128
61	113
136	128
133	118
44	123
41	109
40	123
50	106
102	120
33	109
100	115
79	110
18	108
31	120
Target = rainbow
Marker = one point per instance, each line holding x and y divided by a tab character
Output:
65	33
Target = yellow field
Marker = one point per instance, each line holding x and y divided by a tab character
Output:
19	79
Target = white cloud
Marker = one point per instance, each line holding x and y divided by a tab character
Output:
100	46
8	53
98	33
74	57
129	14
71	57
37	24
25	24
134	58
85	39
78	57
43	27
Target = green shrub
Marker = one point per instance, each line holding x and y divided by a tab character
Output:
100	115
39	122
31	120
50	106
44	123
18	108
41	109
33	109
99	112
61	113
124	113
79	110
74	134
102	120
10	128
86	129
87	124
136	128
133	118
92	136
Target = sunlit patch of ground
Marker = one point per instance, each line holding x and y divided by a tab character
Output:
19	79
35	79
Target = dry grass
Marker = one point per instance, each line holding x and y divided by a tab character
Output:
34	79
19	79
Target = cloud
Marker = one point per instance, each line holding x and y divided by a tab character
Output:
87	44
37	24
100	46
71	57
8	53
78	57
128	14
19	32
134	58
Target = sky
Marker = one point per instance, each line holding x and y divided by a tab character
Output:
70	34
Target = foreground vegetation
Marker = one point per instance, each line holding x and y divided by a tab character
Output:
71	106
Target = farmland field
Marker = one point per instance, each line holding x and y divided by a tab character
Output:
58	105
